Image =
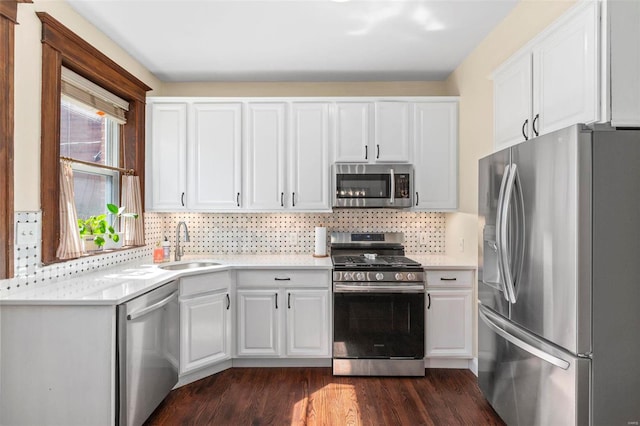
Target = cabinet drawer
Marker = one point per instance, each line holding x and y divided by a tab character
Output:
449	278
283	278
204	283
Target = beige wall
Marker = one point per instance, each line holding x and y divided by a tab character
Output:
371	88
28	76
472	81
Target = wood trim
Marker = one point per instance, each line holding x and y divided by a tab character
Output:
50	152
8	20
61	46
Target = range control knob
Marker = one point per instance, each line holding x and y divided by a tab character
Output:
379	276
347	276
360	276
399	276
411	276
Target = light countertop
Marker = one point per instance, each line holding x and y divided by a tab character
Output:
118	284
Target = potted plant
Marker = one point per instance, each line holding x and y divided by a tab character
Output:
92	231
96	232
115	240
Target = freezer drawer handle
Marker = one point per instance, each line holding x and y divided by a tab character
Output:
155	306
558	362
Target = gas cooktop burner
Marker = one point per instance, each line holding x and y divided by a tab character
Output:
374	261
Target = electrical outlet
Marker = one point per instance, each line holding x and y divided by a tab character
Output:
293	238
424	239
461	245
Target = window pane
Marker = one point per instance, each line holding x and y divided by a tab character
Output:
92	193
86	135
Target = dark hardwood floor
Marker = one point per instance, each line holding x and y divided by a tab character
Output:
313	396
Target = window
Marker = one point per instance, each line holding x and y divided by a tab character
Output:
91	120
120	141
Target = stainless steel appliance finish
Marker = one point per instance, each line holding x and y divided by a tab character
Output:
558	272
357	185
148	352
378	305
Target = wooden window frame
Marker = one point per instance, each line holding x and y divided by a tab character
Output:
8	21
62	47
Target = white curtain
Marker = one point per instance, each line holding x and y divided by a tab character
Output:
70	245
132	228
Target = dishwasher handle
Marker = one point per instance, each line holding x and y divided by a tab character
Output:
148	309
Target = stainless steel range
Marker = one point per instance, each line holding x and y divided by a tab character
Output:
378	306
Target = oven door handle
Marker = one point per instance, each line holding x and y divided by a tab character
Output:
346	288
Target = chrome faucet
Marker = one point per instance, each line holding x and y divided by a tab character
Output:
180	250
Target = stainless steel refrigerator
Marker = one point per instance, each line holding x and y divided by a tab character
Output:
559	279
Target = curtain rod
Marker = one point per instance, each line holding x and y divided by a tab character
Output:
87	163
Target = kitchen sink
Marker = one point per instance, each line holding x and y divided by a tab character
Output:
188	265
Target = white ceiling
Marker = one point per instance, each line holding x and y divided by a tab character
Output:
296	40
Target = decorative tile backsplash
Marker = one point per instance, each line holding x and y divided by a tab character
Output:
237	233
292	233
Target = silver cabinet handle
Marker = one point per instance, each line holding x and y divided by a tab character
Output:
293	199
149	309
526	137
377	151
417	198
276	300
238	199
491	320
282	199
182	199
366	152
228	302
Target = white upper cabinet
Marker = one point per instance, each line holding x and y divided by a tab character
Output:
435	156
392	133
166	157
275	154
552	82
308	164
215	144
264	157
565	70
352	132
624	56
512	96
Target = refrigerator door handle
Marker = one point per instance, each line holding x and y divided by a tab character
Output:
505	252
500	219
491	319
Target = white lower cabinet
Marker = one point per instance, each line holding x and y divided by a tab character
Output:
205	321
258	324
284	321
449	314
307	323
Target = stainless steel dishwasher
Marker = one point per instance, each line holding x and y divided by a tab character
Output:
148	352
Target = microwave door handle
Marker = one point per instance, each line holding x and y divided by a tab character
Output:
393	187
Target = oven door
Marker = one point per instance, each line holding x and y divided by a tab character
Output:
378	325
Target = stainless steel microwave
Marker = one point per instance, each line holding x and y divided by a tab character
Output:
372	185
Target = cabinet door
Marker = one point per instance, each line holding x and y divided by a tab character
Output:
264	156
436	155
309	157
512	102
258	325
565	85
448	323
308	323
352	132
214	156
392	132
167	157
205	336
